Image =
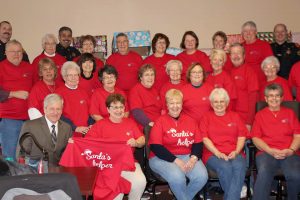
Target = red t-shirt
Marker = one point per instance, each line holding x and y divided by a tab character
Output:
198	56
247	87
146	99
89	85
13	78
255	53
38	93
98	99
287	95
76	105
277	132
223	80
106	129
165	88
294	79
57	59
228	64
177	136
159	63
196	100
223	131
127	67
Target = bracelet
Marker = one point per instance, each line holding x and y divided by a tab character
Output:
194	157
294	151
136	143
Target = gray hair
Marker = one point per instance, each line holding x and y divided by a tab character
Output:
220	92
121	35
48	37
273	86
13	42
271	60
251	24
170	62
52	98
67	66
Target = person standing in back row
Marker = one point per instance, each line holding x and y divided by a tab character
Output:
126	62
64	47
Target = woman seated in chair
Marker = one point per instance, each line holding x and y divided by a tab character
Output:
276	134
176	148
224	135
120	128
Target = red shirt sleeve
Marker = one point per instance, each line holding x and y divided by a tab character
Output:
203	126
256	128
156	134
134	99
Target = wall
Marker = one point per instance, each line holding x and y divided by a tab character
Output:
31	19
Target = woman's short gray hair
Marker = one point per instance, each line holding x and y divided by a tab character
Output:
171	62
273	86
47	37
271	60
220	92
52	98
67	66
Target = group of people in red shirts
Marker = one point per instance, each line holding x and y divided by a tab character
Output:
85	82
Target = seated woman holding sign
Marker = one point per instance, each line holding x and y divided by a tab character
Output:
176	148
119	128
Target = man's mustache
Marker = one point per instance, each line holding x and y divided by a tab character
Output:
7	33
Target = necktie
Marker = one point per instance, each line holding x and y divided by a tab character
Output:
53	135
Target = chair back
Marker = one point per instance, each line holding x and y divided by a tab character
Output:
294	105
30	135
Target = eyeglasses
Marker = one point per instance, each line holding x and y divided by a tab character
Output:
88	44
174	70
219	102
50	43
197	72
72	75
161	42
122	42
274	96
272	67
112	77
117	107
15	52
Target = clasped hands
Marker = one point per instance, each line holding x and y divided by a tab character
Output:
186	166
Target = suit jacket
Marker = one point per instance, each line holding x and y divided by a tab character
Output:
40	130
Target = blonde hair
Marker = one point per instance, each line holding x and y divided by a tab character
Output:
218	52
173	93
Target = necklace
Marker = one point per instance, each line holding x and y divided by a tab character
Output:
275	113
51	88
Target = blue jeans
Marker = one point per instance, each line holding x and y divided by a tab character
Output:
231	175
267	166
177	179
9	134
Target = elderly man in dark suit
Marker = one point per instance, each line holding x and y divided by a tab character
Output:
51	133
